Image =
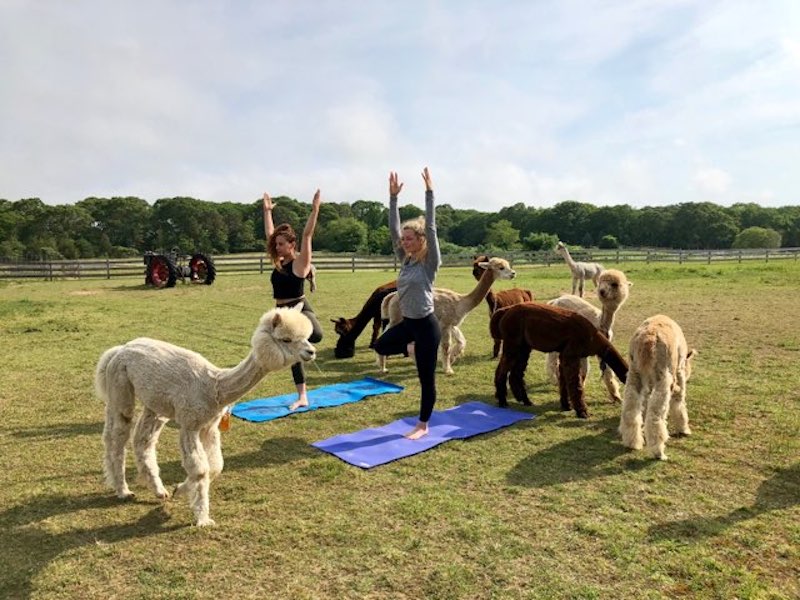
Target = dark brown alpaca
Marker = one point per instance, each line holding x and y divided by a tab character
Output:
501	299
546	328
349	329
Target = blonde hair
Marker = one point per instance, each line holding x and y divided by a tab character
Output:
418	227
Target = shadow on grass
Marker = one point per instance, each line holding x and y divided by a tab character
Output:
27	548
65	430
583	458
780	491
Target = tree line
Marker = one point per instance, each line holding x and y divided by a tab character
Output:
128	226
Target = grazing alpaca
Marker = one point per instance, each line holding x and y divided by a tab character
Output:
660	367
178	384
612	289
451	308
581	271
535	326
348	330
501	299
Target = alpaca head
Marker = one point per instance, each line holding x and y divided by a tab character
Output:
346	344
612	288
342	326
499	267
477	270
281	338
560	247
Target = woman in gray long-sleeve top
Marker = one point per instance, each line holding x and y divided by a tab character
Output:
418	248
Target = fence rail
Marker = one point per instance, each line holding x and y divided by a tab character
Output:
260	263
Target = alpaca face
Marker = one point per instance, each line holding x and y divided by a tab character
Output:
282	337
501	267
342	326
612	287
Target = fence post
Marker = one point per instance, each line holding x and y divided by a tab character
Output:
680	257
766	256
617	261
740	257
260	265
709	257
353	263
108	268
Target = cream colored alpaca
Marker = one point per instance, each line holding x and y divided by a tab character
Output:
612	289
660	367
174	383
451	308
581	271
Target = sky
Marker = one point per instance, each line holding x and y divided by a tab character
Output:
638	102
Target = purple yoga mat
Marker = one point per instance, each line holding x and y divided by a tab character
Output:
372	447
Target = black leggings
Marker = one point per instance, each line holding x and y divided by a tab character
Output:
426	335
298	372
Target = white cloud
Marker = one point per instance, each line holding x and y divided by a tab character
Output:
712	181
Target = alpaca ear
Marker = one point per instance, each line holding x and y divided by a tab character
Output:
691	354
483	265
630	284
276	320
299	306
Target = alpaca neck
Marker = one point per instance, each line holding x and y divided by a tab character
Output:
567	257
235	382
474	298
607	317
490	299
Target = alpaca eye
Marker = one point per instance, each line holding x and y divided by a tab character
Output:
286	340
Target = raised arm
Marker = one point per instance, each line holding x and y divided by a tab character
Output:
269	226
434	258
395	186
302	263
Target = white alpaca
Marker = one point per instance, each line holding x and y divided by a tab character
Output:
451	308
175	383
612	289
660	367
581	271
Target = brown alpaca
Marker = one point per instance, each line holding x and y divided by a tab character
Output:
612	290
349	329
451	308
501	299
535	326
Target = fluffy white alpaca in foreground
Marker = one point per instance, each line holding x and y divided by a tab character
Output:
659	367
174	383
612	290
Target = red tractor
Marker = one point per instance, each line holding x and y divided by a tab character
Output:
163	269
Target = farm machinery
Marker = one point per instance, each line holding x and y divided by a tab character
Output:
162	269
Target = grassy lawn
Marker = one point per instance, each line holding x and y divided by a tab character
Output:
549	508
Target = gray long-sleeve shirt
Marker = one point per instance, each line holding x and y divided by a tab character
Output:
415	281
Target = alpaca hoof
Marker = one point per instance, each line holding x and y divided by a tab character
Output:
450	372
125	496
582	414
162	495
205	522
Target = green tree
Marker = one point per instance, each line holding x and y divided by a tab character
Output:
503	235
379	241
757	237
608	241
702	225
540	241
344	235
372	214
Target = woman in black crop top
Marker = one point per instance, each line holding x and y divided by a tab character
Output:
288	278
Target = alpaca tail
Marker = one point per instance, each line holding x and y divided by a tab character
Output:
612	358
100	377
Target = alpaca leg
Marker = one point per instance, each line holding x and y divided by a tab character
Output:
500	379
145	437
445	349
655	419
196	484
496	349
116	433
563	395
572	376
459	344
679	416
210	437
575	284
516	377
380	360
630	423
581	282
551	367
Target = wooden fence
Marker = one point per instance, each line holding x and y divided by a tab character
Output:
259	263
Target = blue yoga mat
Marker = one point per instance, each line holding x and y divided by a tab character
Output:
266	409
372	447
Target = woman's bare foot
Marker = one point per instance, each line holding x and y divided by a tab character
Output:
420	430
300	402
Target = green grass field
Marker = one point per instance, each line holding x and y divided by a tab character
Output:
550	508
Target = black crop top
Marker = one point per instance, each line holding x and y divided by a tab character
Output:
285	284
